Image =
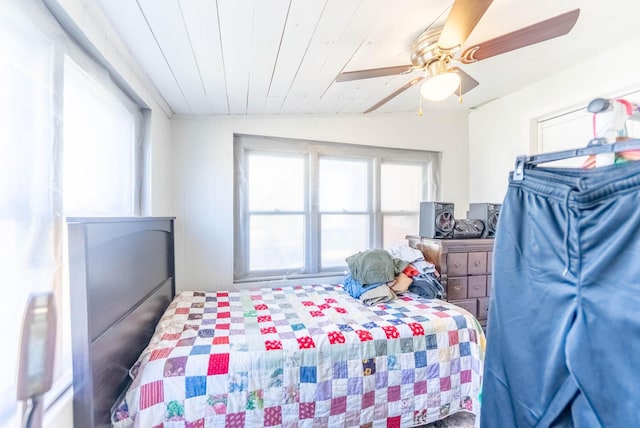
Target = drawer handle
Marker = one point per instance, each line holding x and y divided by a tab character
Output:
476	286
457	264
457	287
476	263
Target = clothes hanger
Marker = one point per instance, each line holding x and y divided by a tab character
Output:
596	146
620	157
610	121
620	111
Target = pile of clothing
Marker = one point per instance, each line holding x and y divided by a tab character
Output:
376	276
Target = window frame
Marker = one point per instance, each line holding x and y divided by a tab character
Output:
314	151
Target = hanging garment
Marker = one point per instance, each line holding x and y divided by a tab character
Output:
563	339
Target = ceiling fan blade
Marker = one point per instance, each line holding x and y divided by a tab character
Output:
373	72
462	19
394	94
536	33
467	82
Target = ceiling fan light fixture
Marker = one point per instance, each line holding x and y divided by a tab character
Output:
440	86
434	49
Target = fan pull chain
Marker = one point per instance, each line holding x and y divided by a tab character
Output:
420	101
460	92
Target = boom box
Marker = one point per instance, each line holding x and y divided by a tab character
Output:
436	220
489	214
468	229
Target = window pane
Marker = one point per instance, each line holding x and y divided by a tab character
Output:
276	242
276	182
401	187
99	134
397	227
342	236
343	185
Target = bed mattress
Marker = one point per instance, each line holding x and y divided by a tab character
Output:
305	356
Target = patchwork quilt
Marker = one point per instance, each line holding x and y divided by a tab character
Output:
305	356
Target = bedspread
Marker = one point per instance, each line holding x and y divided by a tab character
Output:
304	356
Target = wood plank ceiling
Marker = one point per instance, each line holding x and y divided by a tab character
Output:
255	57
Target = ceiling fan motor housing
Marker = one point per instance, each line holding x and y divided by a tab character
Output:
437	67
424	48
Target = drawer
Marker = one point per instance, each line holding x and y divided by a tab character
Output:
477	263
490	262
456	288
477	286
470	305
483	308
457	264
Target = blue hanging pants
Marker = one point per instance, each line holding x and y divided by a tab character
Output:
563	338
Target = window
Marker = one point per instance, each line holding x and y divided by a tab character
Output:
70	145
100	147
302	207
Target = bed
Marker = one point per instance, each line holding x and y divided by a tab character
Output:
284	357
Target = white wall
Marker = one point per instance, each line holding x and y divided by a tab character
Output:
158	172
502	130
203	174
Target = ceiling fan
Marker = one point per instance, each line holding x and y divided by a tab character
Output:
433	51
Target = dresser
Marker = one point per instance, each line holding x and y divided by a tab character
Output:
465	270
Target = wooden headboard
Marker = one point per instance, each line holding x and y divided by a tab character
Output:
121	281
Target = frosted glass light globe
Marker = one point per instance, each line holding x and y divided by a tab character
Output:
440	86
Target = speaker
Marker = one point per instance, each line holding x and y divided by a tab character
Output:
489	214
436	219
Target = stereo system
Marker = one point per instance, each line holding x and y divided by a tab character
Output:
489	214
437	221
468	229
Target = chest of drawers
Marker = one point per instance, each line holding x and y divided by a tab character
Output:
465	270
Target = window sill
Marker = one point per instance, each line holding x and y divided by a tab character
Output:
334	278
